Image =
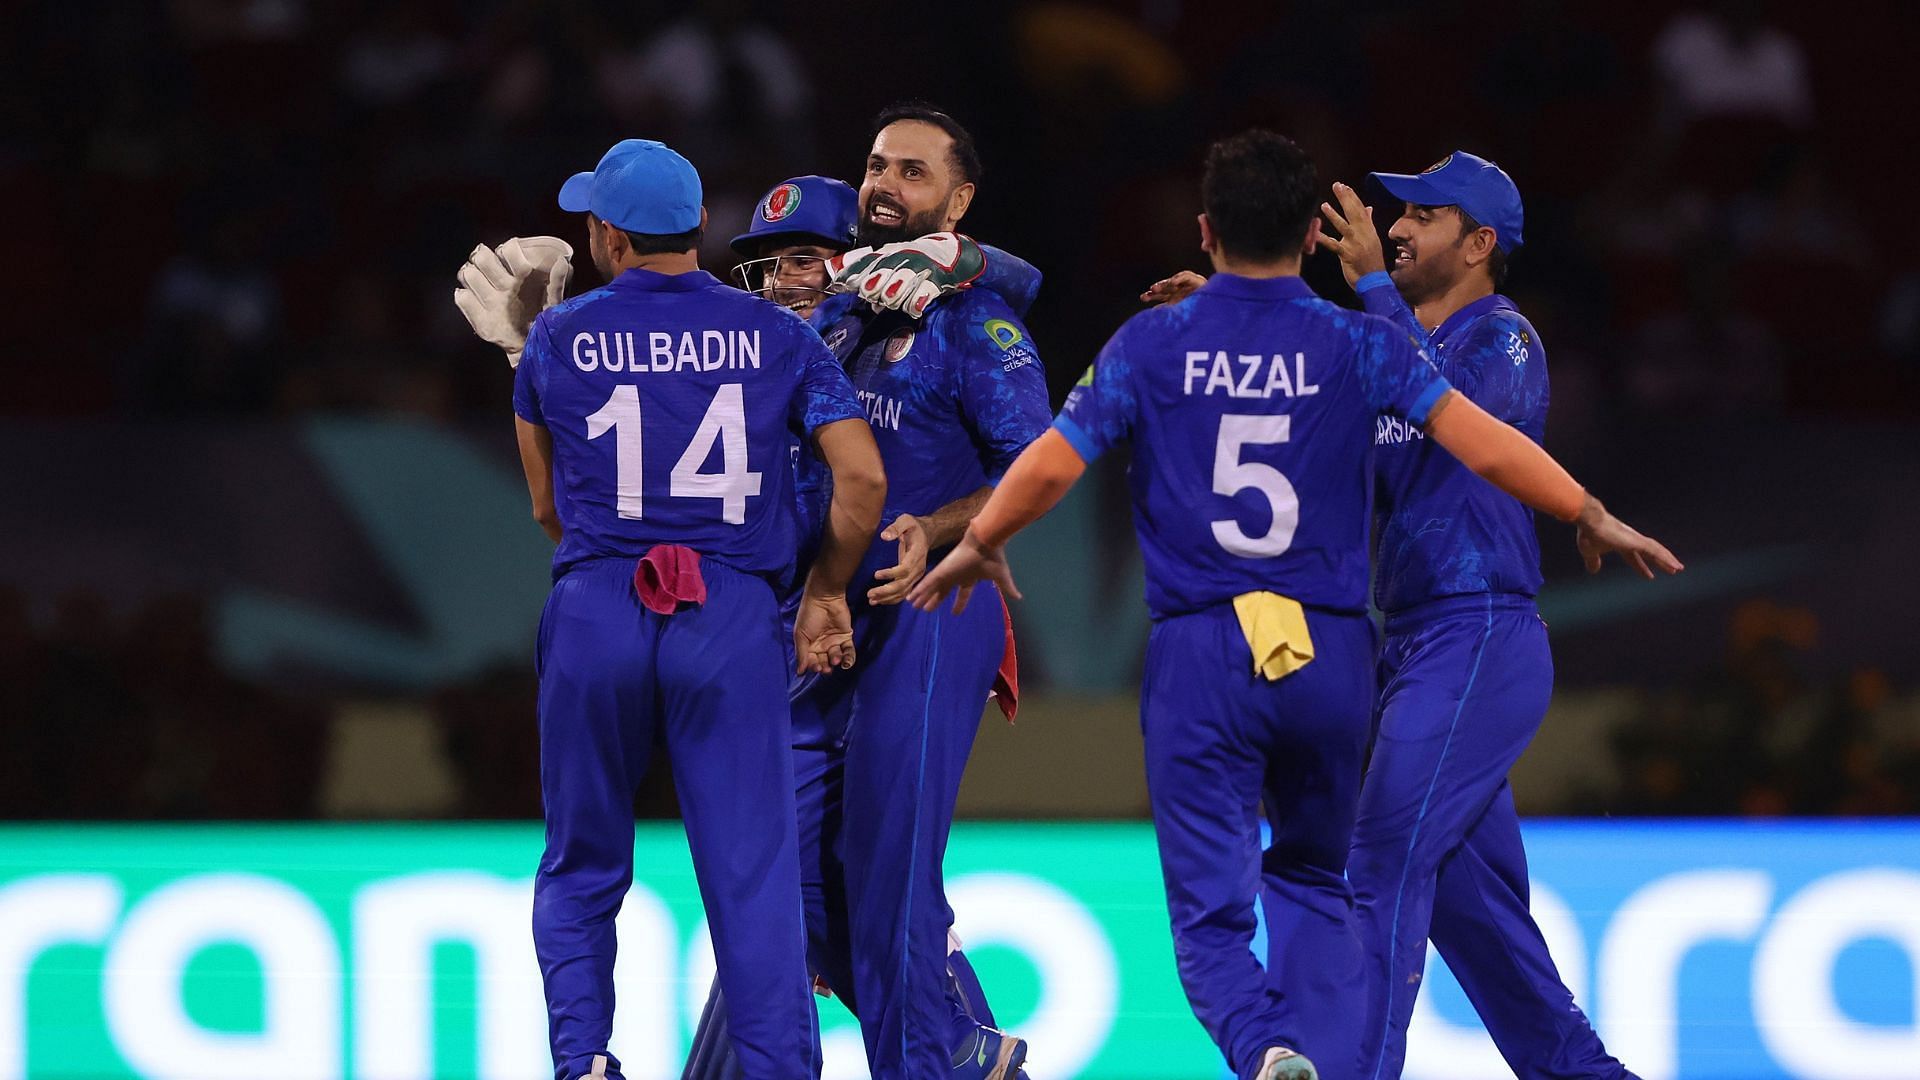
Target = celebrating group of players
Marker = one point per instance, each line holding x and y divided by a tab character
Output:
747	495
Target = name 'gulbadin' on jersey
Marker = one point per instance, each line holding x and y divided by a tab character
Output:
1250	407
673	402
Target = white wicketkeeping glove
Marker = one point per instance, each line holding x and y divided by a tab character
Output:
502	289
909	275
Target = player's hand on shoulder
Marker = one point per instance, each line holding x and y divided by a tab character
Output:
502	289
822	633
909	276
1599	534
905	573
1172	290
1353	237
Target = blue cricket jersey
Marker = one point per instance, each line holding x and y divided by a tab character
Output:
1250	407
1443	530
953	399
673	401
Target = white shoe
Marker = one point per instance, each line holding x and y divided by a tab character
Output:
1284	1064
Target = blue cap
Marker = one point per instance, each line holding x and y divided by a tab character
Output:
641	186
1477	186
805	208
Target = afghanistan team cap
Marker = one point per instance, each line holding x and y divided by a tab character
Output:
641	186
805	208
1477	186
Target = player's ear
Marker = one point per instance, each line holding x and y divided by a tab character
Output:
614	242
703	219
959	201
1480	245
1313	237
1207	240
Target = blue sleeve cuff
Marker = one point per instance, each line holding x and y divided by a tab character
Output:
1423	404
1378	279
529	414
1077	438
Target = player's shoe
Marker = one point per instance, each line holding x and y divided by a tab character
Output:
992	1055
1284	1064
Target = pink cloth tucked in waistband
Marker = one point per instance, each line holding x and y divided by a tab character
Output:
668	576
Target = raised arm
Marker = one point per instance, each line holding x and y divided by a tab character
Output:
1352	237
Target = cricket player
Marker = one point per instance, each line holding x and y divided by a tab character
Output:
1252	407
800	232
953	399
655	416
797	243
1466	672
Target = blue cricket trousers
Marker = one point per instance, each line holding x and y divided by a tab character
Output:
711	682
919	690
1436	852
1220	742
822	707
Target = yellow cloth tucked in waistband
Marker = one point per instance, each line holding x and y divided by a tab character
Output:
1276	630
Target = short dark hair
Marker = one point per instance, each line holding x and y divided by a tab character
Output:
1259	192
963	156
663	243
1496	259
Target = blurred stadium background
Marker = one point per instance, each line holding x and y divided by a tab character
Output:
268	558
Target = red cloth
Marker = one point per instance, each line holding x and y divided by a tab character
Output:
1006	681
668	576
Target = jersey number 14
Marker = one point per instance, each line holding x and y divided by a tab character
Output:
725	423
1231	476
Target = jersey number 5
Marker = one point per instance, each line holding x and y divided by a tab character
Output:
725	423
1232	476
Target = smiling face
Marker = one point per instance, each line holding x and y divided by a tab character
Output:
1433	249
793	275
911	186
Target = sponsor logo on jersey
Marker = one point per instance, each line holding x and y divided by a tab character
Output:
1004	334
1017	357
836	338
1517	350
781	201
898	346
1086	378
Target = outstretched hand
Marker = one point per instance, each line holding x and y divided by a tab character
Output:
905	573
965	566
502	289
1172	290
1599	534
1357	242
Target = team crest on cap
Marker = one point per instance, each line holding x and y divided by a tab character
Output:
1435	167
898	346
781	202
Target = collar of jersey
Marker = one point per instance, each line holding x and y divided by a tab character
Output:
650	281
1289	287
1488	303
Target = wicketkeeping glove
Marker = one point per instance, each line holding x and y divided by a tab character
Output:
502	289
909	275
